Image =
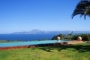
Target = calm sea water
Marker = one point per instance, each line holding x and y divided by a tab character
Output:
26	37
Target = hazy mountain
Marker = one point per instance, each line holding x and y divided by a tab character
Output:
36	31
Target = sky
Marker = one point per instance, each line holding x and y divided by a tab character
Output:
46	15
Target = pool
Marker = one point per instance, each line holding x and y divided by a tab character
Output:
10	44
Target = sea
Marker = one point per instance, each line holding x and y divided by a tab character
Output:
26	37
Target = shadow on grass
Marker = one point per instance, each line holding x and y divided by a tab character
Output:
79	48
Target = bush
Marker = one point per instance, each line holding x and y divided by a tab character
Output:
60	35
85	37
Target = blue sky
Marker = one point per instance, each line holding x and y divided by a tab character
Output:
47	15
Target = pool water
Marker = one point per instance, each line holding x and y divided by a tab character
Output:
10	44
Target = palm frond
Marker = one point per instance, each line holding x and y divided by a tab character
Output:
82	8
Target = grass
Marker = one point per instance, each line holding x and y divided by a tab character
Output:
73	52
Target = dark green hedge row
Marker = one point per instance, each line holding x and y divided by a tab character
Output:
85	37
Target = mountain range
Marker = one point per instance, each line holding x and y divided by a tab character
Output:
36	31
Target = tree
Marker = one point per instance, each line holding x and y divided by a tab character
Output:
70	35
82	8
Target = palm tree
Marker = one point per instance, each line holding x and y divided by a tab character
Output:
82	8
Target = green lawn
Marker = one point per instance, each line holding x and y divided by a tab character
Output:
73	52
